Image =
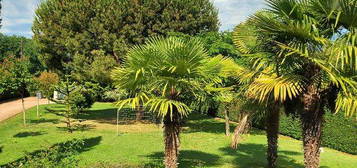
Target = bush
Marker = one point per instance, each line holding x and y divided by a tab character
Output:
82	98
47	82
60	155
339	132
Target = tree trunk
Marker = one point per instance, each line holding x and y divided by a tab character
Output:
68	117
172	140
272	130
23	109
311	119
226	116
139	113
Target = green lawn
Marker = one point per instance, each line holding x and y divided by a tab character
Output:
203	142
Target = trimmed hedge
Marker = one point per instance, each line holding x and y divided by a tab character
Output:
339	132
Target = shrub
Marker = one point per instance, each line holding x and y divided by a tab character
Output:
339	132
82	98
60	155
47	82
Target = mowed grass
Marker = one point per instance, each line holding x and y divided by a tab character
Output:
203	142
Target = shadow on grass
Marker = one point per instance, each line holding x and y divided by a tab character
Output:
56	153
43	120
187	158
58	112
203	123
28	133
254	156
107	116
78	127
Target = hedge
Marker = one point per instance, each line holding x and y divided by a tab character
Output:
339	132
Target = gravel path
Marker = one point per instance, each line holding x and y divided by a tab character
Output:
11	108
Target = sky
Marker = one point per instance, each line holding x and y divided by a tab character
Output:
17	15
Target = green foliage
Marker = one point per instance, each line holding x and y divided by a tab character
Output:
83	97
216	43
96	70
77	97
60	155
11	46
114	95
66	29
314	40
46	83
15	76
0	13
161	73
339	133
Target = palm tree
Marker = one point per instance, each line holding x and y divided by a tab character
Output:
317	39
160	73
263	81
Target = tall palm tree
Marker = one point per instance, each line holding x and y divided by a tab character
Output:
265	79
160	74
318	40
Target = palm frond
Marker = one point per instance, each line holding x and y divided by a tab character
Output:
348	104
282	88
343	53
138	100
164	107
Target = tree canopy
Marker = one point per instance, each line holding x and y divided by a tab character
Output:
14	45
65	29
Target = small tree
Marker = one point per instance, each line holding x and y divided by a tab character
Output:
15	78
66	88
76	99
46	83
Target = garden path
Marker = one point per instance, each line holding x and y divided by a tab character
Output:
9	109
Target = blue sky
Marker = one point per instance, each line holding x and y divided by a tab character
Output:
18	15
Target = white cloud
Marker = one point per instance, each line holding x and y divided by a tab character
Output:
17	16
233	12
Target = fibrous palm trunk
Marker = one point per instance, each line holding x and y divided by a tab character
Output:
172	140
272	130
139	113
226	116
311	119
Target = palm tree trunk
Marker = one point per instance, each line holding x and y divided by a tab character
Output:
139	113
226	116
172	140
311	119
272	130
